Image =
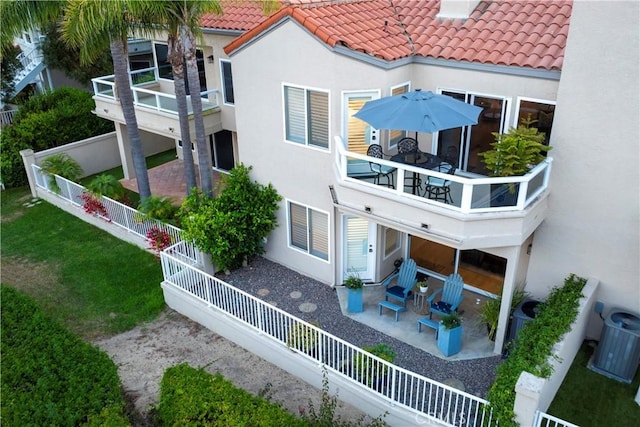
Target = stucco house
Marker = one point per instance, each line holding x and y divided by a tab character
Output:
283	90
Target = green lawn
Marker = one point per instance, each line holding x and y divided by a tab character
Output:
92	282
587	398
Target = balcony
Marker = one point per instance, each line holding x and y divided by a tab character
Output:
481	212
155	103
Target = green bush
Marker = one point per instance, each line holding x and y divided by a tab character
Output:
233	226
50	376
46	121
533	346
160	208
190	396
108	186
61	164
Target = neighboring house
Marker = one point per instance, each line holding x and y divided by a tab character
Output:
300	74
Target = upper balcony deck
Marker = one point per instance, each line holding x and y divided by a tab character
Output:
153	97
481	211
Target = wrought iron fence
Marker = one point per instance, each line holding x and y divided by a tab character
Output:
121	215
542	419
425	397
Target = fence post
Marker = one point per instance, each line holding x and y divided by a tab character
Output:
528	393
28	159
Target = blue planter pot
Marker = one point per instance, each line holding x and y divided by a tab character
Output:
449	340
354	300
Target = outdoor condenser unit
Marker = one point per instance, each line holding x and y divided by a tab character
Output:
618	352
525	312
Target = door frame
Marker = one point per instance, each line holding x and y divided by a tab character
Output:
369	274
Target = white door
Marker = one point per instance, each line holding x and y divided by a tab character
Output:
359	247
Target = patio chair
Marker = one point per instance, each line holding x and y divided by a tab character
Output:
398	286
439	188
450	296
375	150
407	145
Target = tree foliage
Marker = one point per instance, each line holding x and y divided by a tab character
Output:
233	226
9	68
59	55
50	120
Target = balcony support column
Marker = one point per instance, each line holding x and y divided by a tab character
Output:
125	151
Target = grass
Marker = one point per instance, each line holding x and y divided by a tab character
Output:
587	398
92	282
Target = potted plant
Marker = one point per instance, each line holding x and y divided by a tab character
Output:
367	370
513	154
450	334
354	285
490	312
423	286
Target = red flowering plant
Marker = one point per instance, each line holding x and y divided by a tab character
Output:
92	205
159	240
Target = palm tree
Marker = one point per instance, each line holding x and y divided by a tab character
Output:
176	58
91	25
23	15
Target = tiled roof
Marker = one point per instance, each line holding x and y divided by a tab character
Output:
523	33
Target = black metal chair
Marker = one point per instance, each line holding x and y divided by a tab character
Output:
375	150
439	188
408	145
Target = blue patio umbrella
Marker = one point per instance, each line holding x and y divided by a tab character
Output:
418	111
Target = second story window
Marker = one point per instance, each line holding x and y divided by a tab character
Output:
227	81
306	118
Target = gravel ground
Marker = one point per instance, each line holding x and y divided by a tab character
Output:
477	375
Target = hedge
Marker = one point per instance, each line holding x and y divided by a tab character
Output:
50	376
533	346
46	121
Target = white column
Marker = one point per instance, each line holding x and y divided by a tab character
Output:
125	151
28	159
528	389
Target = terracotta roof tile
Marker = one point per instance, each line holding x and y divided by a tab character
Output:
523	33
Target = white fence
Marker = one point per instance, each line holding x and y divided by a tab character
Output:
126	217
7	117
545	420
424	398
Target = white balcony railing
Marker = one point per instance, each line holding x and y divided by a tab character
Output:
143	84
469	194
543	419
422	396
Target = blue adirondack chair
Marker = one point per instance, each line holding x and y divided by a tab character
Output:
450	296
398	286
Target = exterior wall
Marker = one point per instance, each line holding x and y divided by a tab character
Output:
303	174
593	224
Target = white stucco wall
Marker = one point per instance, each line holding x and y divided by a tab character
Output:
592	228
289	54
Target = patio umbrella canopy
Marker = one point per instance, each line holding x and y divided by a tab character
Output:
418	111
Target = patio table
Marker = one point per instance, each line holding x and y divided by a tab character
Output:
419	159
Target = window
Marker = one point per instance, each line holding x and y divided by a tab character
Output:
540	112
165	70
391	241
309	230
306	116
227	81
397	135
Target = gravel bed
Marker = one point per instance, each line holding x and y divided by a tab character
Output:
477	375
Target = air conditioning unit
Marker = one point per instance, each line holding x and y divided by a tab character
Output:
525	312
618	353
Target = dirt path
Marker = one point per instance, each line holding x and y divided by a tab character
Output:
143	354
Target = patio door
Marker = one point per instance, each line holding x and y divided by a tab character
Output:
461	146
359	247
222	150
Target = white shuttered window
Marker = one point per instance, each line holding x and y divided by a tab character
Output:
306	116
309	230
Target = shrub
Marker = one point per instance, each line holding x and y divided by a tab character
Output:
61	164
158	239
46	121
108	186
160	208
533	346
369	370
190	396
50	376
233	226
